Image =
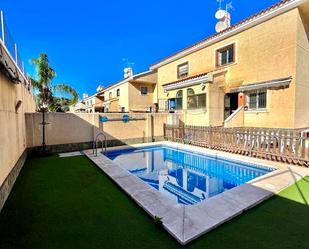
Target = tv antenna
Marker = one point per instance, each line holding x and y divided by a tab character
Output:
128	62
220	3
229	6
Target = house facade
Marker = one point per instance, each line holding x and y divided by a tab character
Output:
133	94
89	104
253	74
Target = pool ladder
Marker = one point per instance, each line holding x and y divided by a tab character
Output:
103	143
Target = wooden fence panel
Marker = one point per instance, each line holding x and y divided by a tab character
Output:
284	145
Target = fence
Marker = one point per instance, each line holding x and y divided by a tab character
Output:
10	45
282	145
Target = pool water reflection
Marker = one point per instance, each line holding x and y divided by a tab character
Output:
186	177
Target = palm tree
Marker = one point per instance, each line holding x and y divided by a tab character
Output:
45	87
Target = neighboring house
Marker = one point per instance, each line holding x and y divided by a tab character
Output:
93	103
89	104
132	94
254	73
78	107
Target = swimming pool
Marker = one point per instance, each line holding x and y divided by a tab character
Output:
185	176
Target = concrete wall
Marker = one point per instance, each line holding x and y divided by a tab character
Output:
69	128
236	119
264	52
13	131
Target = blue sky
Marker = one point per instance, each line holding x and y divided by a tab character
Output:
87	40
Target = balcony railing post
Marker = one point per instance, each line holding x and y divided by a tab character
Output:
210	137
164	131
2	26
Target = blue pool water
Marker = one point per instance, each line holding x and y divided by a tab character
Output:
184	176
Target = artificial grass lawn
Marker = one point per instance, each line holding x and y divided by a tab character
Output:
69	203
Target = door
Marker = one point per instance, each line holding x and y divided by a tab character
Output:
230	104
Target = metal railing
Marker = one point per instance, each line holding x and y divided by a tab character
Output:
8	43
103	143
282	145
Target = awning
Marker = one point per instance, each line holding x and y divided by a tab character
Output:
271	84
191	81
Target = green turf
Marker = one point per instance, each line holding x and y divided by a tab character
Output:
69	203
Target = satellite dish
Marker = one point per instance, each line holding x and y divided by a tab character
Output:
220	14
99	88
126	70
221	26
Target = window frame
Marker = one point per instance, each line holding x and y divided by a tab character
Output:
141	92
118	92
178	71
256	92
178	101
220	50
197	96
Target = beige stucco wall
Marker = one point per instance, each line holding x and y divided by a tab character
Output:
122	100
264	52
12	124
236	119
302	78
150	77
138	101
66	128
130	97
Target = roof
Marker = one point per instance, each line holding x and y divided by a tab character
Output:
120	82
253	20
192	77
275	84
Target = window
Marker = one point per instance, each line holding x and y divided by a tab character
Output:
196	101
183	70
257	100
144	90
163	104
110	95
118	92
176	103
225	55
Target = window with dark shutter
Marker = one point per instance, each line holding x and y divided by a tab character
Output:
183	70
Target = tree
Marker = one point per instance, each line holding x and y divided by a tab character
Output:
46	89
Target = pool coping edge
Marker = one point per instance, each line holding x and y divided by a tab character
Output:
186	223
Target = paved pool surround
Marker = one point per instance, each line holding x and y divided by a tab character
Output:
187	222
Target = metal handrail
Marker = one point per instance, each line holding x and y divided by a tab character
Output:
103	143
